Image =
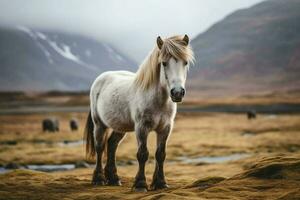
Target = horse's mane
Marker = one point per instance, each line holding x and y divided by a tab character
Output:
148	72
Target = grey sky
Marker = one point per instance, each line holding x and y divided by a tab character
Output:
130	25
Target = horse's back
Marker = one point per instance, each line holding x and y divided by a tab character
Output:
110	79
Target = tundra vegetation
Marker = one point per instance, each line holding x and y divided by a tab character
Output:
270	168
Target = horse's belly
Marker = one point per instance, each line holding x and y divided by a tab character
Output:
117	119
119	125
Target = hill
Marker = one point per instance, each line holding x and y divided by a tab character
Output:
250	51
39	60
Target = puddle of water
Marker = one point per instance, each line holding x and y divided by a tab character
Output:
213	159
248	134
43	168
51	168
3	170
70	143
63	143
272	116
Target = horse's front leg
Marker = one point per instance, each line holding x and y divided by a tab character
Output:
140	184
158	181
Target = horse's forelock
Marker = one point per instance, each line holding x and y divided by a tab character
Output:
177	48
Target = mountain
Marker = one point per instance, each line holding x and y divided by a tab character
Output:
252	50
38	60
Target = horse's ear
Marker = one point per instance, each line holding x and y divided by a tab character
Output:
186	39
159	42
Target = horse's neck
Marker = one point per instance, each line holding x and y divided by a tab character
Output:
160	96
157	92
162	87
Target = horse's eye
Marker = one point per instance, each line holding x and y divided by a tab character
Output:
164	64
185	63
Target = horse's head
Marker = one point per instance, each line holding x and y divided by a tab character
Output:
175	55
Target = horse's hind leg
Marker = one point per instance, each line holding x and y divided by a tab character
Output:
111	168
99	135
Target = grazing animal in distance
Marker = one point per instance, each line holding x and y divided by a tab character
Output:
144	101
251	114
50	124
73	125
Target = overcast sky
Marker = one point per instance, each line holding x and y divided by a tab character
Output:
130	25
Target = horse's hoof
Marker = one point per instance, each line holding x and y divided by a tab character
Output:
159	186
114	183
98	182
98	179
140	186
134	189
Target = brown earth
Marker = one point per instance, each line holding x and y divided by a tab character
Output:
271	170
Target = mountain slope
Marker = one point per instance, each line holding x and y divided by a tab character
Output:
40	60
251	50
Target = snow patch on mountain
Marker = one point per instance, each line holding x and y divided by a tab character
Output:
26	30
41	35
46	52
65	51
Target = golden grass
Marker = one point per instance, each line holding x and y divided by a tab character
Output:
275	140
193	135
247	184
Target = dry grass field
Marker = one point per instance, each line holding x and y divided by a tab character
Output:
209	156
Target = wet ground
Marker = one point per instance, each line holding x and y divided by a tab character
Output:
278	108
209	156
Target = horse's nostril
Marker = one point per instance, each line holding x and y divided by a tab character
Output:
173	92
182	92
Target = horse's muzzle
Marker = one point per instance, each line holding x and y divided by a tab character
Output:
177	94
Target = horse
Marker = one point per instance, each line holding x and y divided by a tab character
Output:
251	114
73	125
50	124
122	101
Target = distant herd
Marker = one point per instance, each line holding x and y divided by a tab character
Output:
52	125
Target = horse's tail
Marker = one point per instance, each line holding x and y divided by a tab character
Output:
89	137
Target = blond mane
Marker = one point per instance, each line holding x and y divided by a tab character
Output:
148	72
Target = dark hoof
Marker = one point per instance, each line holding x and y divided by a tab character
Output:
114	183
98	182
98	179
142	189
159	186
140	186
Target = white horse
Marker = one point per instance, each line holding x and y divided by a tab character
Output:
145	101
